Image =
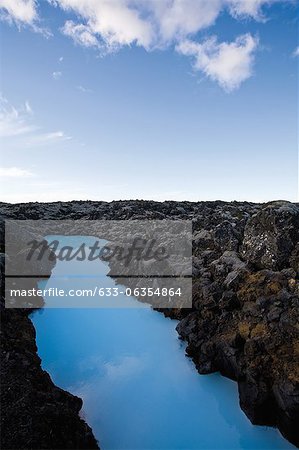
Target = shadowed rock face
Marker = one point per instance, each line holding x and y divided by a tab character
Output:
245	316
35	414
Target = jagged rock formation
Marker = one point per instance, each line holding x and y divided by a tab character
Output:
245	316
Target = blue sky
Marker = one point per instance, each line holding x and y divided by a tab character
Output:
152	99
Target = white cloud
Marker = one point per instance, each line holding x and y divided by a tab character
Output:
228	63
14	172
57	75
22	12
19	10
296	52
148	23
251	8
177	19
121	22
108	25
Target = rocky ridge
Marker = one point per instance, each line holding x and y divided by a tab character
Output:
244	321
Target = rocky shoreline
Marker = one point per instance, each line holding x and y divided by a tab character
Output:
244	321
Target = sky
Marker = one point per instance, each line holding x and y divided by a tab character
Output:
149	99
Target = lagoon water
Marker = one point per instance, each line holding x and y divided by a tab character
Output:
139	390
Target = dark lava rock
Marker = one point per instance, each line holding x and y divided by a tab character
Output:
35	414
271	237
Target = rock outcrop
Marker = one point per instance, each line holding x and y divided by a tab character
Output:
244	321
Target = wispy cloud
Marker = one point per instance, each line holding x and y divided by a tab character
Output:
81	34
28	108
15	121
14	172
47	138
18	123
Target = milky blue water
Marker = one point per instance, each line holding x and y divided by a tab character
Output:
139	389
